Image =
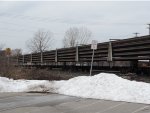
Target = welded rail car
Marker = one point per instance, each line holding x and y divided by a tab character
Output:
124	53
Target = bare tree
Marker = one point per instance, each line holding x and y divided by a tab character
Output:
41	41
84	35
71	37
16	52
74	36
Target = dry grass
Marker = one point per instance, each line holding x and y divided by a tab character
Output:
35	74
8	70
44	74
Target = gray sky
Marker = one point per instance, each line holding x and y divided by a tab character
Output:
20	20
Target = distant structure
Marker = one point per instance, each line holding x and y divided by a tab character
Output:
136	34
149	28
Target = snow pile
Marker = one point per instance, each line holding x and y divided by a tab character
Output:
101	86
10	85
105	86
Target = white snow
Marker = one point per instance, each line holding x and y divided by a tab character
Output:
101	86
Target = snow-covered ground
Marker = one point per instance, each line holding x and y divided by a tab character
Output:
101	86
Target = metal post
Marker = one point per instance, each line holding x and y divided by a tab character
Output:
94	47
23	59
56	57
77	54
109	52
109	59
41	58
17	60
92	63
31	59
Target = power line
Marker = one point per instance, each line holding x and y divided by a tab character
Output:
49	19
27	17
10	23
16	30
22	29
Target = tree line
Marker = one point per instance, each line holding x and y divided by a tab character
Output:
43	40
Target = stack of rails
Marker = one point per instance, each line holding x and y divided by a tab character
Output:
131	49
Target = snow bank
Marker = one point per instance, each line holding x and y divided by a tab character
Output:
10	85
105	86
101	86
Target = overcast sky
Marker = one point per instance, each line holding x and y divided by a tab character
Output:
20	20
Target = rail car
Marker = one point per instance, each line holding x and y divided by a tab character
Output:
120	54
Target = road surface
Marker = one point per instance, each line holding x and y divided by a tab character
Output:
55	103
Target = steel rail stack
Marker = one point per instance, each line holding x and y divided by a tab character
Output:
125	53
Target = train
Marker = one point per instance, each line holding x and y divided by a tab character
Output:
128	55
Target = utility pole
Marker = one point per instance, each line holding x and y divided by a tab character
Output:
149	28
136	34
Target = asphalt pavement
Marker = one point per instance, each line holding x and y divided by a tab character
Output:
56	103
